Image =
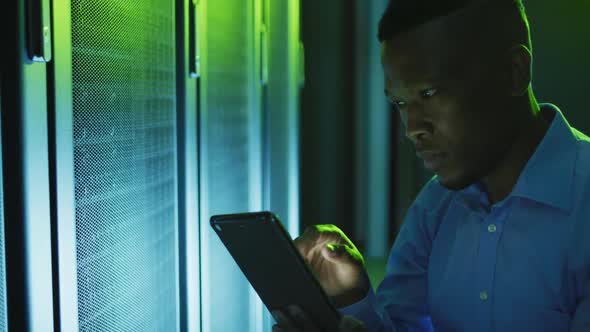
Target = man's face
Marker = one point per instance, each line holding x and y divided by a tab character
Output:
452	100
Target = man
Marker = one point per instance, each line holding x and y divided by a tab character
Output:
498	240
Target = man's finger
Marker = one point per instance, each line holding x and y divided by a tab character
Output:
338	252
350	324
334	234
307	240
284	322
302	319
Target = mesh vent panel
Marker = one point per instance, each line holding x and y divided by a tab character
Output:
229	112
125	164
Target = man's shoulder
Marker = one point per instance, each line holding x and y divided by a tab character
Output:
582	167
581	177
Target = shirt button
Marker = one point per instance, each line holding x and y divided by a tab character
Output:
483	295
491	228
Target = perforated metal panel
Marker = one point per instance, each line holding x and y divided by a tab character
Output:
229	116
125	164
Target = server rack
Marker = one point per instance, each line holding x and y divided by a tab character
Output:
253	164
227	171
124	127
116	164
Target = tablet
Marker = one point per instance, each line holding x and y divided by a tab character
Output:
265	253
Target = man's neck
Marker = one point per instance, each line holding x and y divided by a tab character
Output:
501	181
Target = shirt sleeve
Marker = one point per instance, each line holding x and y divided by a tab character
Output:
400	303
580	263
581	320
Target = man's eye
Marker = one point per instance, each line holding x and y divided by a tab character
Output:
429	93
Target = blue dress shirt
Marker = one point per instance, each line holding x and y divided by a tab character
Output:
522	264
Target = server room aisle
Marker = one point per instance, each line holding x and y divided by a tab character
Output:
125	126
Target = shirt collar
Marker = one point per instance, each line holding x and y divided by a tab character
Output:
548	175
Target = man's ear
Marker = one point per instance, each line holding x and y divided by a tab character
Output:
520	62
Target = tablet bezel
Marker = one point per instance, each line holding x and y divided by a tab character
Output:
329	317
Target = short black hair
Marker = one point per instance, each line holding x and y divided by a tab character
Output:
403	15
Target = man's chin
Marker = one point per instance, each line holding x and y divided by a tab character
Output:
454	183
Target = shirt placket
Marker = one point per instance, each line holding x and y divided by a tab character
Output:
490	232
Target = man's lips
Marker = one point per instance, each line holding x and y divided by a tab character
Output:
432	159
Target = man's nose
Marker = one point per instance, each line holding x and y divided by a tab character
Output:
418	133
417	127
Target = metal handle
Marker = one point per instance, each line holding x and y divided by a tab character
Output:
301	64
263	55
264	42
38	30
194	52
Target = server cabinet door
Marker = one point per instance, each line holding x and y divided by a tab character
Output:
281	114
281	110
191	27
25	263
230	157
116	164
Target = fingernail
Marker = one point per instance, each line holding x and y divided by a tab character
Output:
331	249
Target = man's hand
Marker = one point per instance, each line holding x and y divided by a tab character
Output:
340	270
336	263
295	320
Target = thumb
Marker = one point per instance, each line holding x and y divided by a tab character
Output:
350	324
